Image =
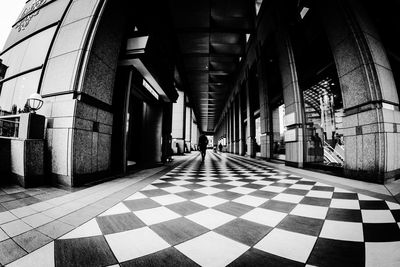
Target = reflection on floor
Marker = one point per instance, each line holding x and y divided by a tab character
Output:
233	211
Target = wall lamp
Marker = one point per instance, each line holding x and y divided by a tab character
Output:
35	102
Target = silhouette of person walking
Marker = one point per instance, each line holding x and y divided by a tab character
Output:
203	142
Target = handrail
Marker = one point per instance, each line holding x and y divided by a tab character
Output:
10	116
9	125
8	137
7	118
9	121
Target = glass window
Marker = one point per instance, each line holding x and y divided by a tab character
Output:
37	49
6	95
37	20
13	58
16	91
29	54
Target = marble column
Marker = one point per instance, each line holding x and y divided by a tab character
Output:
237	125
188	128
251	151
241	141
228	137
264	107
232	114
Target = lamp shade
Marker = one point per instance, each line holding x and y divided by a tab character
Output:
35	102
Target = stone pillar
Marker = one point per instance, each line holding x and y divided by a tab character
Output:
229	139
242	141
188	128
291	91
152	130
230	130
237	125
178	123
234	125
232	114
194	137
264	107
370	100
250	122
226	131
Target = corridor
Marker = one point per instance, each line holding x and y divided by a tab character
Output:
236	211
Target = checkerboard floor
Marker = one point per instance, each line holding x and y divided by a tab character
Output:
237	212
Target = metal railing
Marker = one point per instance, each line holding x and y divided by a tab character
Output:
9	126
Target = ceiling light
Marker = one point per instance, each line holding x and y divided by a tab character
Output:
136	45
35	102
303	12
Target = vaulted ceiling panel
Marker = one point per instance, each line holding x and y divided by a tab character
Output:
195	77
212	38
196	63
194	43
226	38
191	13
226	49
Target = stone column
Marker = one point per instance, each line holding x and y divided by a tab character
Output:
264	107
178	123
242	141
188	128
232	128
223	131
234	125
372	117
226	131
228	141
250	122
291	91
237	125
194	137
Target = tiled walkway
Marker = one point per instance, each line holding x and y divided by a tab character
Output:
233	211
14	197
26	228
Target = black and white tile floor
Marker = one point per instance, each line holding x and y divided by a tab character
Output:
228	211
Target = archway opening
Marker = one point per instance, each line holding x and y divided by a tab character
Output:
321	95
